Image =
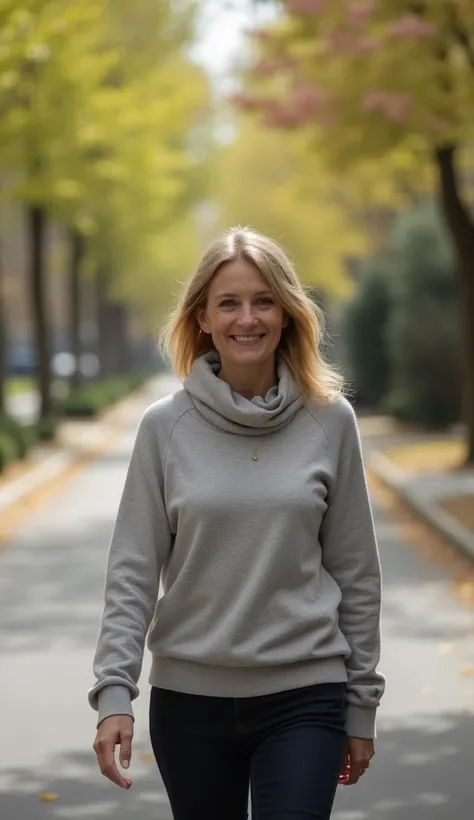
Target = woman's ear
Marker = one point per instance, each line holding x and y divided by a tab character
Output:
203	321
286	320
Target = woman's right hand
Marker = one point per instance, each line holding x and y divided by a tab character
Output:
116	730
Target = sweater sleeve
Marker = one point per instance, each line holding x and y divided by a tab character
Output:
139	546
350	556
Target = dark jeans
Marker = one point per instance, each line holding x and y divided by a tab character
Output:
288	746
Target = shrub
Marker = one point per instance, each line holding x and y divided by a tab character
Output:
46	429
423	331
95	396
8	450
23	436
364	334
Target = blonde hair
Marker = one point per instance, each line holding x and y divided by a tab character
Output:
301	340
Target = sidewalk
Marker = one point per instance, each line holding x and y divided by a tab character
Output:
51	598
435	495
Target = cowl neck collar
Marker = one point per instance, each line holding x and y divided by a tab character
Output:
233	413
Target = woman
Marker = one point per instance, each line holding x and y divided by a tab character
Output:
246	494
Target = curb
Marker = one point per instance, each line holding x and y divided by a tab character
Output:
440	521
20	488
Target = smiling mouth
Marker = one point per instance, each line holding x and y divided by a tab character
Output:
248	340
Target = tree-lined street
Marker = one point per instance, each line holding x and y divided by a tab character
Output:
51	579
96	204
345	132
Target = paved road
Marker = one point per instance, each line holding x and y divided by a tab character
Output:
51	576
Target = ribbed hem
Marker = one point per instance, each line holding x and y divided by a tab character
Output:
360	721
243	681
114	700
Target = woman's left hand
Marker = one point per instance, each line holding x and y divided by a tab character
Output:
357	756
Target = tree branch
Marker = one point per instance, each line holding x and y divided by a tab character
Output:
461	37
463	40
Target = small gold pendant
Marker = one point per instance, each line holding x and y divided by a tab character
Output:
255	457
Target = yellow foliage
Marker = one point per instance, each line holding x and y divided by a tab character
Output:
98	100
263	180
393	86
160	270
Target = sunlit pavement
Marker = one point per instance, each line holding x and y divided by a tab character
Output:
51	579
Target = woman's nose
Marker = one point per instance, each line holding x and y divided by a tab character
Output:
247	315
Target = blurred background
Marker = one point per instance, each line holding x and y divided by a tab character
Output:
131	133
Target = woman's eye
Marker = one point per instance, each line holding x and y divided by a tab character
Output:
262	300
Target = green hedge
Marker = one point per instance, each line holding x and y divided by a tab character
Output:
402	331
8	450
363	330
95	396
424	332
45	429
16	439
22	436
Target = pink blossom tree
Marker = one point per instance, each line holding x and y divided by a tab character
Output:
369	78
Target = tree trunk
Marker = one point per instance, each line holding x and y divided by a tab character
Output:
121	335
37	225
3	345
107	349
461	226
75	341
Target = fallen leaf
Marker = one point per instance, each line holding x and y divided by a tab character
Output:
48	797
466	590
466	671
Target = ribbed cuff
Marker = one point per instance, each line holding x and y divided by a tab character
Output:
360	721
114	700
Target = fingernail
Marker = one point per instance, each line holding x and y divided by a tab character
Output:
126	764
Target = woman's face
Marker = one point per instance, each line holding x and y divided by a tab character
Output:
242	315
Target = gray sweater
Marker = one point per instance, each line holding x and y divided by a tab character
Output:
256	516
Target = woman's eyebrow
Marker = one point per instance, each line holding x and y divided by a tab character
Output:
233	295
